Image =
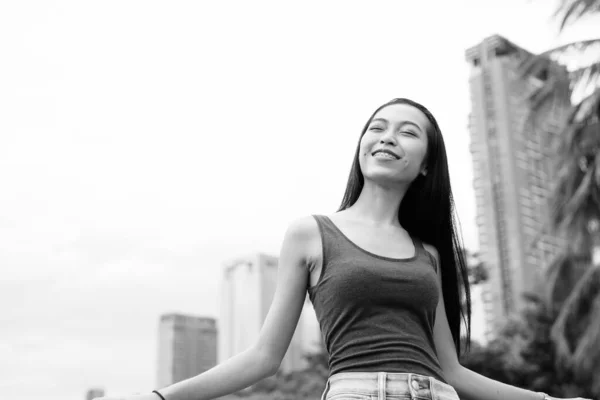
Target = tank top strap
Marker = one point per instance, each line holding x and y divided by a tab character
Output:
418	243
319	218
322	220
419	248
329	245
322	224
333	242
423	251
327	229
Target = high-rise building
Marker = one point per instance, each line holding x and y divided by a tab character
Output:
512	171
94	393
187	346
248	288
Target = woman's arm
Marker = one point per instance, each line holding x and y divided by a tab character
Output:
264	358
468	384
473	386
234	374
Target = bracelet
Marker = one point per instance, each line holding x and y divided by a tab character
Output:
162	398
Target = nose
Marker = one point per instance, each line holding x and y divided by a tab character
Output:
388	138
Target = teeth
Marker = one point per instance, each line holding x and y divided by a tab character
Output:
384	155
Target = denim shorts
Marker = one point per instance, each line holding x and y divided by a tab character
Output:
386	386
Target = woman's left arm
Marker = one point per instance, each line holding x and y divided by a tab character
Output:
468	384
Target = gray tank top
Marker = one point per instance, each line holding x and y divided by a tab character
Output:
376	313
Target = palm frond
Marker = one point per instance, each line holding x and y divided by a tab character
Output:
562	83
575	223
573	10
554	88
576	195
569	186
586	357
587	111
586	75
572	48
574	318
597	172
580	195
562	275
533	64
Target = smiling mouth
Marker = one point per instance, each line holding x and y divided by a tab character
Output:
385	155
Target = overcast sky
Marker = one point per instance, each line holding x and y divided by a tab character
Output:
143	143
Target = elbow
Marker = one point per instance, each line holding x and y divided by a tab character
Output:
271	366
273	370
453	373
268	361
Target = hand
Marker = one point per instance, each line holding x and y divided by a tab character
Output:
149	396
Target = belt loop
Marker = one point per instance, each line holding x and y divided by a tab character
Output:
409	381
381	385
431	389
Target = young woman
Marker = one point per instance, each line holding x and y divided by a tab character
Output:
385	277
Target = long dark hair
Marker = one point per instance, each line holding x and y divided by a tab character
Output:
426	212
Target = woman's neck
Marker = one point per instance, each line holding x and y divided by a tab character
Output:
377	204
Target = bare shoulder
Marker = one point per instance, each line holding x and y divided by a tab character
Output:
431	249
303	234
303	228
433	252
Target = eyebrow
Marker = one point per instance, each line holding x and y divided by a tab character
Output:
401	123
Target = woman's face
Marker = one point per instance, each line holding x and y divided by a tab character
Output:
394	146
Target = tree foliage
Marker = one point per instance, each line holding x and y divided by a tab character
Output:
574	276
524	355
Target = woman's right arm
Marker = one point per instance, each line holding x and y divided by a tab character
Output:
264	357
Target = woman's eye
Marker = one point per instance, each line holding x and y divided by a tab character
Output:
376	128
412	133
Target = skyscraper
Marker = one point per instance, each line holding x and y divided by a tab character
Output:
187	346
513	172
248	288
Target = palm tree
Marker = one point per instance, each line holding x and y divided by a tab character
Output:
574	277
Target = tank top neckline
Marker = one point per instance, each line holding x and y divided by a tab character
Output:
347	239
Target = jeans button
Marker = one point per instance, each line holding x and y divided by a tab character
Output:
415	385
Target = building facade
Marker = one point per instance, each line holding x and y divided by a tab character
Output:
187	346
512	172
247	291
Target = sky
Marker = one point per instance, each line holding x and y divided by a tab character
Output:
145	143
